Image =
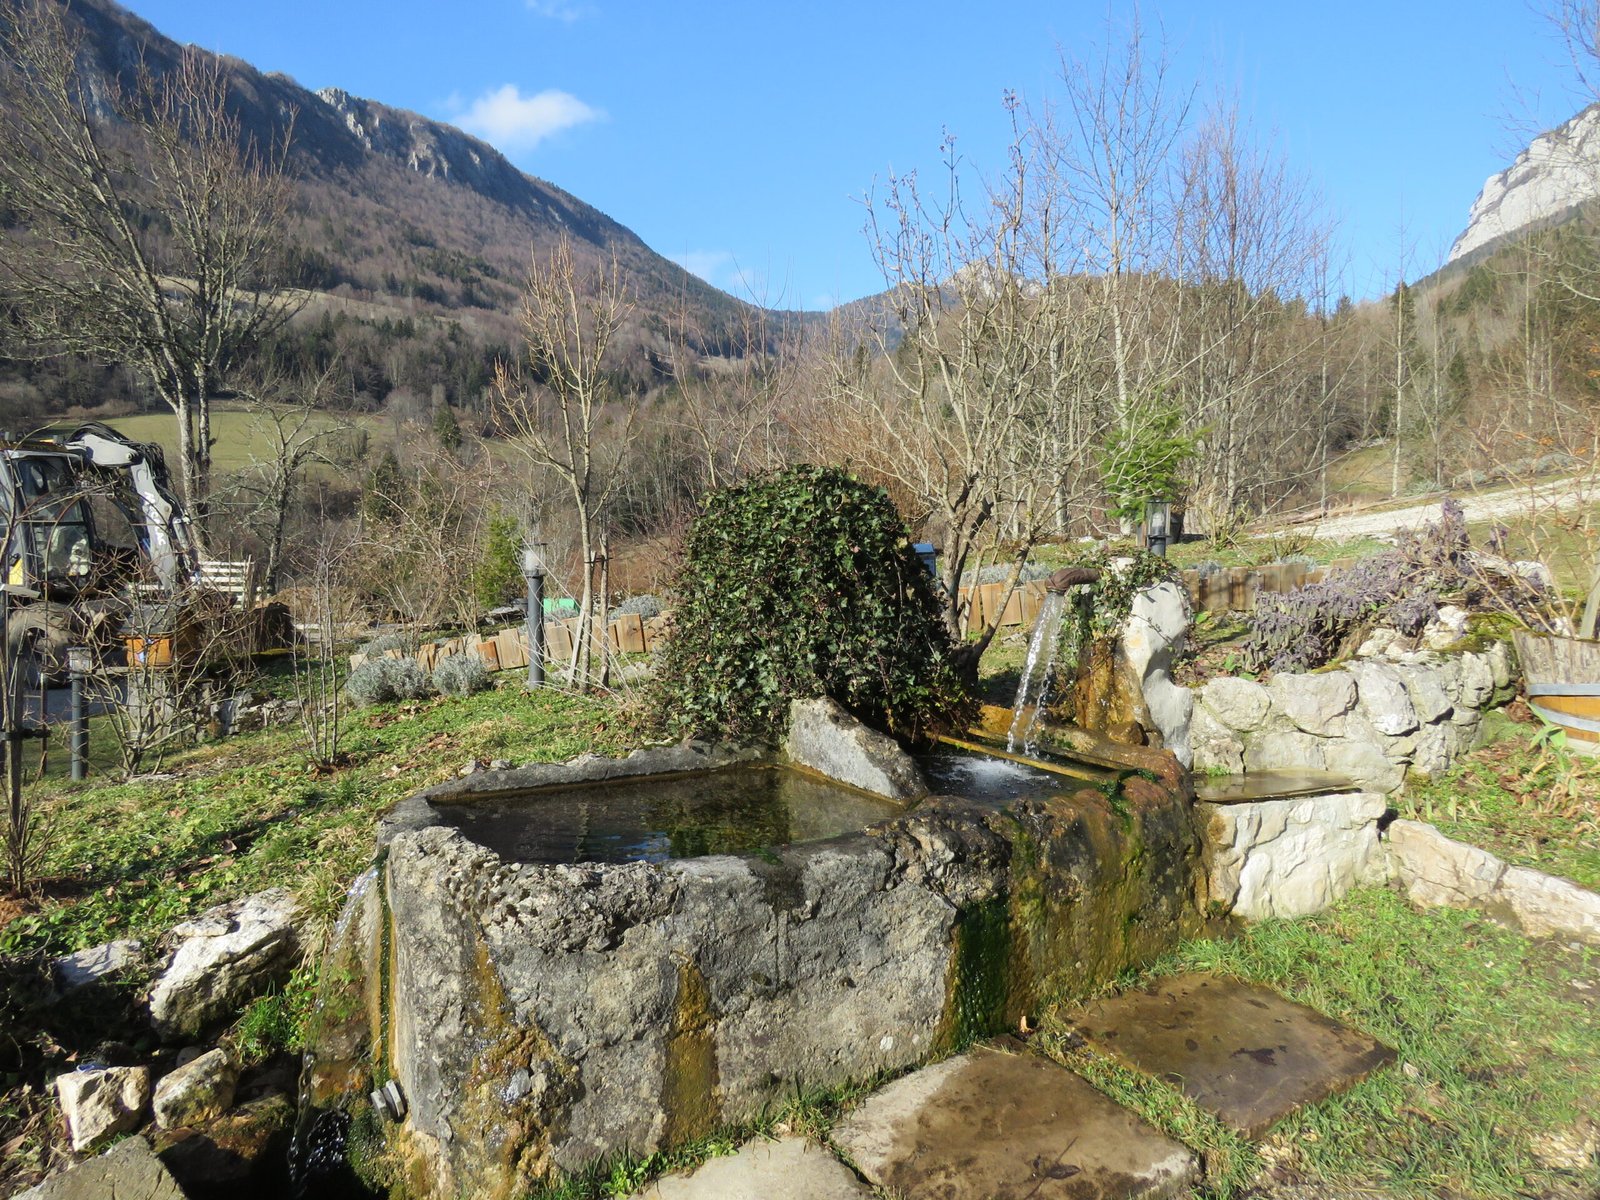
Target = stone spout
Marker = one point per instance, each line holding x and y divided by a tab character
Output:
1067	577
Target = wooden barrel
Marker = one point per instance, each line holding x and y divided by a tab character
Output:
1562	678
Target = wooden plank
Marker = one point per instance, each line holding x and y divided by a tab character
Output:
489	652
993	593
631	633
428	656
512	645
1033	595
1013	610
557	641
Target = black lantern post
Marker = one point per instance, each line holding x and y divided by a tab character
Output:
533	574
80	662
1157	526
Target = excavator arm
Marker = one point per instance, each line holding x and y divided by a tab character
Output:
168	541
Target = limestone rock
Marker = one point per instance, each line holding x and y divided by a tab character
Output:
1151	638
1213	744
226	957
127	1171
1477	681
83	968
789	1168
1437	747
1499	656
1435	871
100	1104
196	1092
1545	906
828	740
1315	703
1273	751
1240	704
1365	763
1287	858
1383	698
1427	694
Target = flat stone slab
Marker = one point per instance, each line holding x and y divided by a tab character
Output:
127	1171
787	1169
993	1126
1242	1053
1272	784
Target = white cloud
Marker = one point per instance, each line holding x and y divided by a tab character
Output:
559	10
708	264
513	121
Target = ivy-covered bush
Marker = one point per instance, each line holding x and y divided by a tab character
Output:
460	675
797	584
379	680
1401	588
1098	613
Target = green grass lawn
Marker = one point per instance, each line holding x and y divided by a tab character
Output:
225	819
243	437
1523	798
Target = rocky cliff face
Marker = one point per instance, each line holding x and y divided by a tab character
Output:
1557	172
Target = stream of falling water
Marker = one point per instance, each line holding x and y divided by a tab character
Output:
1041	661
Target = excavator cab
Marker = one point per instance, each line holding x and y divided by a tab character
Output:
87	520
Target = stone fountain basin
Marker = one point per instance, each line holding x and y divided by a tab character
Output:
541	1016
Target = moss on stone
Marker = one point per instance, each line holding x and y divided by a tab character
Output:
689	1097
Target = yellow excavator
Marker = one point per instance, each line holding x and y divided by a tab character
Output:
91	529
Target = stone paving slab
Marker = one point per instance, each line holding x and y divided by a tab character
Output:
787	1169
1242	1053
994	1126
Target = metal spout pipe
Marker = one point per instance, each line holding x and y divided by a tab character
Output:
1069	577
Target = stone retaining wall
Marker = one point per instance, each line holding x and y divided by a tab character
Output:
1291	857
540	1017
1372	720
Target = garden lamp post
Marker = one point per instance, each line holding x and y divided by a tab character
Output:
80	662
1157	526
533	574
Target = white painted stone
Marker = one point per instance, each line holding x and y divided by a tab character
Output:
1240	704
1286	858
1383	698
1316	703
1435	871
98	1105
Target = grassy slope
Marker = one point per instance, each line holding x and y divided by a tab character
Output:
128	859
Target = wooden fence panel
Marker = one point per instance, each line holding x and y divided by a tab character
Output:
630	633
557	641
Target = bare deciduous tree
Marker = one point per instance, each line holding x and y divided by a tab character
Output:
152	223
562	411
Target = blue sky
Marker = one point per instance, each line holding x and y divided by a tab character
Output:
738	138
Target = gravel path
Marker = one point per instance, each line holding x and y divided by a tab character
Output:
1508	502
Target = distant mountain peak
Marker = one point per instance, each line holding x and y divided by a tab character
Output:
1557	172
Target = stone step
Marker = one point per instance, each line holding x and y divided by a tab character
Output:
790	1168
1242	1053
990	1125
